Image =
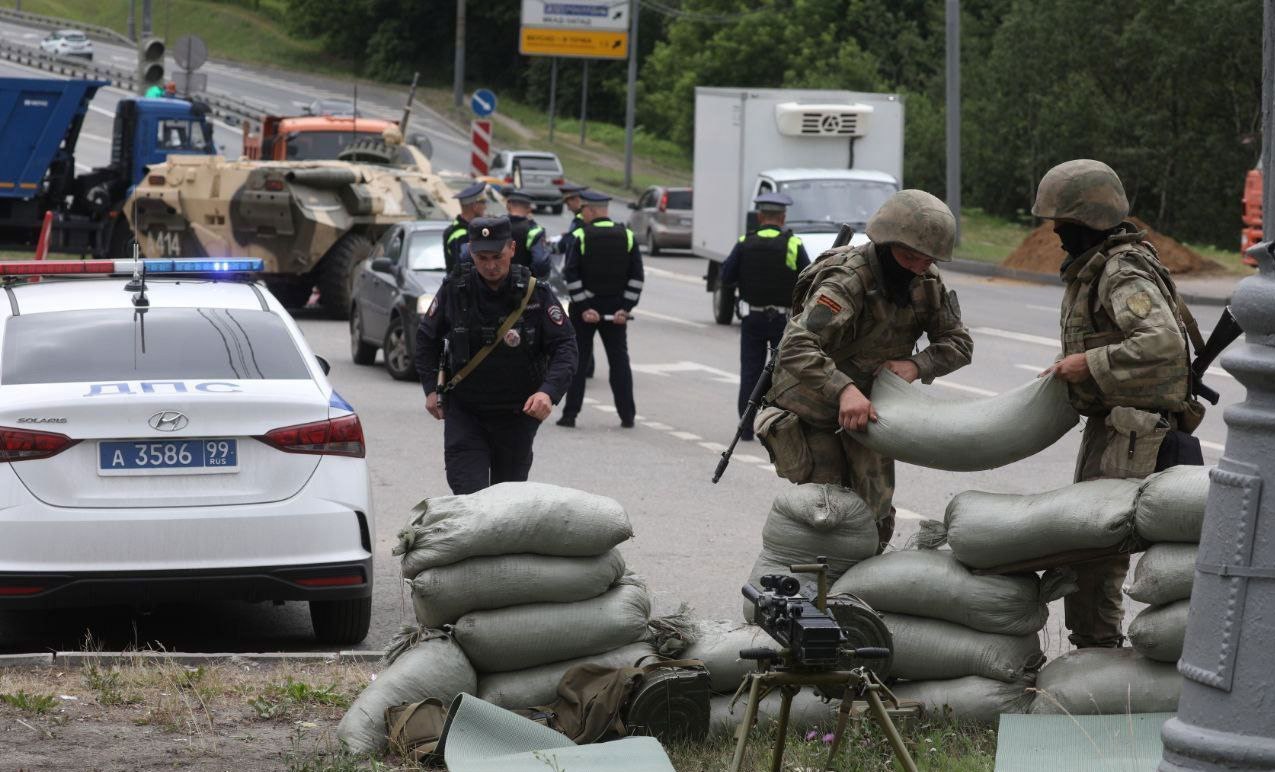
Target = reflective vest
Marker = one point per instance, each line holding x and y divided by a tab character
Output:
524	231
768	267
456	234
604	248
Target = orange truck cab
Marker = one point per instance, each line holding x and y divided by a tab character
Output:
1251	233
307	137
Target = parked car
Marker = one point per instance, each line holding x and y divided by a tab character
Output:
661	219
68	42
395	285
538	174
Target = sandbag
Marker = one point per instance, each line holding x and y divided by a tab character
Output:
507	519
434	667
812	520
444	594
808	712
972	698
1158	631
933	584
932	649
916	427
519	637
539	685
1164	573
1171	504
987	530
718	646
1088	682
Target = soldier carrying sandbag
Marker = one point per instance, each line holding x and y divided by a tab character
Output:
1124	358
857	311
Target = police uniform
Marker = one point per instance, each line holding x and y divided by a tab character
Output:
531	249
603	271
577	221
1120	312
855	309
487	438
457	234
763	264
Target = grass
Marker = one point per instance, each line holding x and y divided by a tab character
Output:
283	699
1230	259
987	238
35	704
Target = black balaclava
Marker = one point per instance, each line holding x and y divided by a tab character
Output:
1076	240
897	278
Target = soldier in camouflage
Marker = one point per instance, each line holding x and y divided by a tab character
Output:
1124	358
858	310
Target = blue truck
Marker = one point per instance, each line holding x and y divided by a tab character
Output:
40	121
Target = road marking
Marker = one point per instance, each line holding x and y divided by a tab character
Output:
750	459
686	436
663	370
665	318
906	514
605	408
94	137
963	387
716	447
664	273
1212	446
1031	368
1050	309
657	426
1022	337
102	111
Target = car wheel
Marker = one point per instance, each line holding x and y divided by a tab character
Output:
362	352
557	208
292	294
723	304
652	247
341	621
337	271
398	361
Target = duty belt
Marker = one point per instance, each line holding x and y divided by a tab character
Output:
746	309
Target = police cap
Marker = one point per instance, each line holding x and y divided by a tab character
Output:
594	196
488	234
514	194
773	202
471	194
571	189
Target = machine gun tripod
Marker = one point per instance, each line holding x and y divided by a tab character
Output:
815	649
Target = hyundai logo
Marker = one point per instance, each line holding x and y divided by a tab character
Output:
168	421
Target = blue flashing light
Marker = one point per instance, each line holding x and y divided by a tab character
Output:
199	265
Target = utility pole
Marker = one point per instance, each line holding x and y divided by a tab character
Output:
553	94
630	102
458	68
584	98
132	20
954	112
146	19
1224	719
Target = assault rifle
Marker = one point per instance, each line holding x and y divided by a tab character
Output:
1223	335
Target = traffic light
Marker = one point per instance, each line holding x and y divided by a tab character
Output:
150	63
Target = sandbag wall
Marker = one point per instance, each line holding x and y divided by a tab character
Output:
511	585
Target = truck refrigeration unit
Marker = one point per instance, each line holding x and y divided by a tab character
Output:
838	154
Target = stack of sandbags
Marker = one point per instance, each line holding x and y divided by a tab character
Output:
965	643
1170	513
810	521
1106	681
527	580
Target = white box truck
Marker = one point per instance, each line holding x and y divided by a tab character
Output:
838	154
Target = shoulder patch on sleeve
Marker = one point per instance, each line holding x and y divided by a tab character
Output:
556	314
1139	304
433	306
817	318
828	303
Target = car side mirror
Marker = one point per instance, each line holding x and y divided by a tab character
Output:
324	365
382	265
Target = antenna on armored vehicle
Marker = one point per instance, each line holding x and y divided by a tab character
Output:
407	110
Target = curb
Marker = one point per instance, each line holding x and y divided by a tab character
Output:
977	268
81	658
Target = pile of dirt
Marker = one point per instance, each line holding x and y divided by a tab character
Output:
1042	253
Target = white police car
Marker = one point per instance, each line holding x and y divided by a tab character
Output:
181	443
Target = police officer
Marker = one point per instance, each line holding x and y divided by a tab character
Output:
1124	358
572	201
857	311
473	203
510	354
764	265
604	275
531	247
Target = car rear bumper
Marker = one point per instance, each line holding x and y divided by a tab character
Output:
675	236
333	581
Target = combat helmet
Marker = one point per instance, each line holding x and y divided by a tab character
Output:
1085	191
916	220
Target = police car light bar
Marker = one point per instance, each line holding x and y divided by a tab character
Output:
127	267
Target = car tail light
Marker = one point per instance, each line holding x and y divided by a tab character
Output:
557	182
664	202
25	445
333	437
509	179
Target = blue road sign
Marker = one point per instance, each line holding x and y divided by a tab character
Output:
483	102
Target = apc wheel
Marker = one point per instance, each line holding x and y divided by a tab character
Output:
362	352
723	304
341	621
652	246
398	361
337	271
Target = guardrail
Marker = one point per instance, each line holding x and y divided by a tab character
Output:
53	22
221	106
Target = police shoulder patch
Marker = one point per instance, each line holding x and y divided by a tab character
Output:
556	314
1139	304
433	306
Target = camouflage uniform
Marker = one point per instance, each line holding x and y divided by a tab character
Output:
1118	310
842	330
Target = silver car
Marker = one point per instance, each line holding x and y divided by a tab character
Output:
662	219
67	42
536	173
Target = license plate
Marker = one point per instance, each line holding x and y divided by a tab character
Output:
192	456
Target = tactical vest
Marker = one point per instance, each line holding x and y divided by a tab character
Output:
524	231
604	257
456	234
1087	325
883	330
767	267
515	368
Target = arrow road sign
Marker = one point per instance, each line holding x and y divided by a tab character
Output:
483	102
